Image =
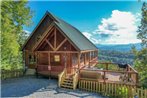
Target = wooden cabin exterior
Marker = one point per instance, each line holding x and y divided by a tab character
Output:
55	45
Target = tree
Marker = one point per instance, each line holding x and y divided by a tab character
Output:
141	56
143	27
14	15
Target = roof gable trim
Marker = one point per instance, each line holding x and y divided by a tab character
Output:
46	14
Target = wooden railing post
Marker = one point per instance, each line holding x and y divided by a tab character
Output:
61	77
104	76
106	66
75	80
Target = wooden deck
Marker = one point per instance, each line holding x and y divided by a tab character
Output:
127	76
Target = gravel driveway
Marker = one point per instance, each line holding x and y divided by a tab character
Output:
40	88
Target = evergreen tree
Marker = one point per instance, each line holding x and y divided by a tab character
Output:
141	56
14	15
143	27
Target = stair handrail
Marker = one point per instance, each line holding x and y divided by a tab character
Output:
61	77
75	79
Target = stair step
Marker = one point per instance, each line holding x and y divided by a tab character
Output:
66	86
30	72
65	83
68	79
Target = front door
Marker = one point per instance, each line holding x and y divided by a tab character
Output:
68	66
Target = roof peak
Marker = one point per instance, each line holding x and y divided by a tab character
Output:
51	15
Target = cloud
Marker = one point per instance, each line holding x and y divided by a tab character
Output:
119	28
27	32
90	37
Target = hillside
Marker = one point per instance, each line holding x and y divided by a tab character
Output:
116	56
121	48
117	53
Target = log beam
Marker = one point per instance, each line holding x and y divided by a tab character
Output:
49	44
57	51
55	38
61	44
40	41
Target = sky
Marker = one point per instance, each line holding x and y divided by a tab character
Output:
102	22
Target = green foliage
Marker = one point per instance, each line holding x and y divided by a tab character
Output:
14	15
110	66
116	56
142	29
140	64
141	56
122	92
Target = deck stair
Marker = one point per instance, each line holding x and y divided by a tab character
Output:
67	83
30	72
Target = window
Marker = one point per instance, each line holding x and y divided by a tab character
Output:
32	59
57	58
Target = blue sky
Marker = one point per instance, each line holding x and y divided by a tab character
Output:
97	20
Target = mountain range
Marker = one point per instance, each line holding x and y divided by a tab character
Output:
120	47
117	53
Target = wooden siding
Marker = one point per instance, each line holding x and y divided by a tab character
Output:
38	32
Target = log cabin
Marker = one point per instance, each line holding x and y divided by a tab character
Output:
55	45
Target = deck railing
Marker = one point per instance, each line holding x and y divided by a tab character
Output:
113	89
5	74
61	77
130	73
135	75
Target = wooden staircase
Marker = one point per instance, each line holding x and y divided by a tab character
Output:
66	81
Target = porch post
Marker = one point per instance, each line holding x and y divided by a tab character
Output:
89	59
49	62
37	60
84	58
79	63
65	62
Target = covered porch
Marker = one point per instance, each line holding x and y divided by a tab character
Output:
52	63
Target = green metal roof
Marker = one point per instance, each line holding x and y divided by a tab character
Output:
74	35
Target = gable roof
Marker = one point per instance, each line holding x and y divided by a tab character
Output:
72	33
